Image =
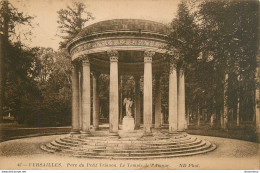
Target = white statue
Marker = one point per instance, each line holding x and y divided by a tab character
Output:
128	105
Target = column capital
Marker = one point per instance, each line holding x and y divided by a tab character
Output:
113	54
149	53
84	59
148	56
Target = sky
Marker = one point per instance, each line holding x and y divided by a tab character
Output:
45	11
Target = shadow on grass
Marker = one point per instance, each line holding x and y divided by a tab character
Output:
246	131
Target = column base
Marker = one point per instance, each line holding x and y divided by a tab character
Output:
147	134
173	132
74	131
113	135
85	134
95	128
147	129
176	133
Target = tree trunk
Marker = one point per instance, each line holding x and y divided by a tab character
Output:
225	115
3	55
212	120
198	115
254	103
238	112
188	118
1	78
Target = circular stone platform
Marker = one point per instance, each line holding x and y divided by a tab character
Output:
230	154
129	146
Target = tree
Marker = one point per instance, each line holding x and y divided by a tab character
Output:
216	43
72	20
183	38
183	50
52	71
10	18
230	32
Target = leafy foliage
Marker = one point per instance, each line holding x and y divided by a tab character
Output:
72	20
10	18
213	39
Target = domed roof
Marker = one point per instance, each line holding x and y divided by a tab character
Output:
124	25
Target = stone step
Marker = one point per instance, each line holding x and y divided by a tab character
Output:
57	148
102	142
105	138
55	144
205	149
149	151
172	142
43	147
83	153
51	147
128	144
152	147
213	147
158	146
169	151
61	142
69	140
169	145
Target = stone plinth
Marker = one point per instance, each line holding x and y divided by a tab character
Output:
128	124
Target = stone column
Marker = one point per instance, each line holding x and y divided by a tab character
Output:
75	99
137	102
148	91
113	93
86	101
80	99
173	112
257	105
121	100
158	98
95	101
181	101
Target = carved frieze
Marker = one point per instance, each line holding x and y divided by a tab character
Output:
117	42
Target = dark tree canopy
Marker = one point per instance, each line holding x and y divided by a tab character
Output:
10	17
213	40
14	60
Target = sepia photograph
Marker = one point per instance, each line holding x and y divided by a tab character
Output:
129	85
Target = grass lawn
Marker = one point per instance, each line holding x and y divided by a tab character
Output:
14	131
245	132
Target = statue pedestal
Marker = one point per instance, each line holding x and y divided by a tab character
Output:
128	124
